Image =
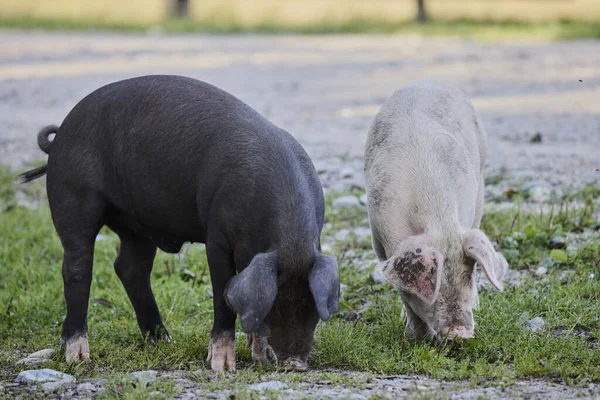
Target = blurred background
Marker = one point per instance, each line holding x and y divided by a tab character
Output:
553	17
321	69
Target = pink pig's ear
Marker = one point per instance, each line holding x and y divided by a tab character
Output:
416	268
478	247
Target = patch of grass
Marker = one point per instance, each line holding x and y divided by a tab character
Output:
65	24
119	387
367	335
479	29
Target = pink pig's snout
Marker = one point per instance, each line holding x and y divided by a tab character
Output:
452	333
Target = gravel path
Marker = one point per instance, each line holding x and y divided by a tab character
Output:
326	91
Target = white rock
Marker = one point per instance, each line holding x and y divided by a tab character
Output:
350	254
539	194
364	199
341	234
347	172
324	167
271	385
86	387
43	375
53	386
37	358
368	264
362	232
145	377
346	202
30	362
535	324
541	271
46	353
377	276
343	288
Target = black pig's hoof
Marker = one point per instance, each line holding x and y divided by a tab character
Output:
77	349
262	352
157	334
221	354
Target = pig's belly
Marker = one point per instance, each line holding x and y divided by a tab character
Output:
169	237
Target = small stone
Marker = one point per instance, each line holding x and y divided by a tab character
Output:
53	386
350	254
37	358
518	237
541	271
513	277
364	199
535	324
46	353
356	396
346	202
548	262
347	172
367	265
187	275
271	385
30	362
326	167
86	387
377	276
99	383
341	234
43	375
365	307
362	232
558	242
537	138
343	288
539	194
565	276
145	377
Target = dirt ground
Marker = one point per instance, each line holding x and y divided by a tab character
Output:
540	103
325	90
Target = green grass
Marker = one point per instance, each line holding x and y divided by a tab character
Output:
367	335
467	28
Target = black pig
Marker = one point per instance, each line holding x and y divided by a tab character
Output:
162	160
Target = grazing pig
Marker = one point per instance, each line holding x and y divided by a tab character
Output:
162	160
424	162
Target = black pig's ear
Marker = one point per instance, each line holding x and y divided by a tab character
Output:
251	293
324	282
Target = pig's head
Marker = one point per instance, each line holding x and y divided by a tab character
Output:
437	283
286	303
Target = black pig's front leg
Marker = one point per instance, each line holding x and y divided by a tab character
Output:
221	348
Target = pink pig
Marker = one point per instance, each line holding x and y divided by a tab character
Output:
424	162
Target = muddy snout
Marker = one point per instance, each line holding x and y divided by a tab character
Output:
263	353
293	364
454	333
291	356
